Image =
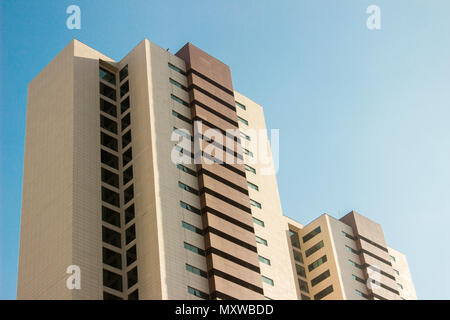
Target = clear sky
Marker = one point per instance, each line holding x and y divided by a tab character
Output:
364	116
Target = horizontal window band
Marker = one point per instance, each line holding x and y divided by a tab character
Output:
225	199
385	287
215	112
222	296
366	265
227	218
378	297
216	84
223	148
230	238
229	277
372	243
212	96
224	132
222	180
375	257
232	258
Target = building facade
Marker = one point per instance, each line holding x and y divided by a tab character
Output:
146	175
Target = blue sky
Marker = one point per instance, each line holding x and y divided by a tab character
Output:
363	115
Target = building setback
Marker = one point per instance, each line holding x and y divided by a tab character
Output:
101	191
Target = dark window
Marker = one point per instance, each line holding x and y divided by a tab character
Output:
181	117
112	258
108	107
126	139
189	207
112	280
323	293
192	228
298	256
109	159
320	278
109	296
123	73
110	197
317	263
175	98
125	121
198	293
176	83
131	255
312	234
127	175
108	141
129	213
187	188
305	297
111	237
134	295
294	239
111	216
196	270
132	276
127	157
124	105
124	89
187	170
194	249
300	270
303	285
171	66
128	194
108	124
107	76
107	91
110	177
130	234
314	248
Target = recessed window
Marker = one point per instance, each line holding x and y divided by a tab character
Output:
353	263
351	250
111	216
109	159
131	255
108	124
111	237
109	296
108	107
358	279
264	260
108	141
132	277
304	297
107	91
251	169
181	117
242	120
197	293
312	234
258	222
240	105
134	295
110	178
243	135
194	249
125	122
300	270
261	240
176	83
124	88
320	278
179	100
186	206
314	248
196	270
348	235
247	152
187	170
298	256
295	240
399	286
361	294
171	66
187	188
126	139
112	258
129	213
303	285
110	197
123	73
112	280
192	228
396	272
322	294
128	194
317	263
255	203
392	258
107	76
267	280
130	234
127	157
253	186
182	132
124	105
127	175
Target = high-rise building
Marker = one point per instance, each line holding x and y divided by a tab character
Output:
151	178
